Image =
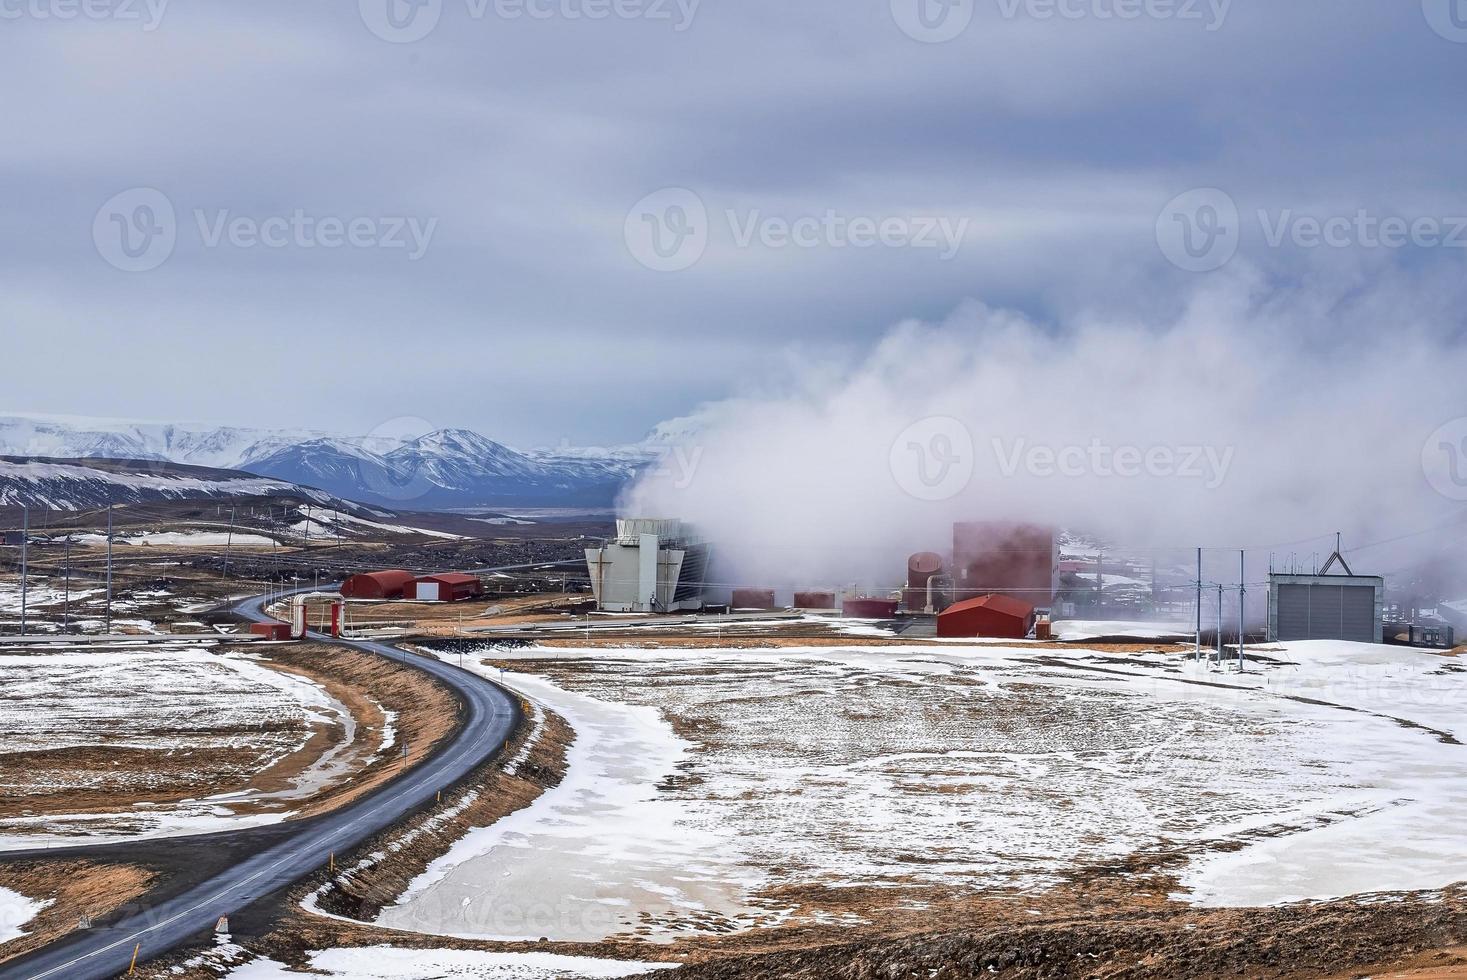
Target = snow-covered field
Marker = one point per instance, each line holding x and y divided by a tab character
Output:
15	911
389	963
135	720
179	539
1335	770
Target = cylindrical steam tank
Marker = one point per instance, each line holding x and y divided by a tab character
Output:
921	569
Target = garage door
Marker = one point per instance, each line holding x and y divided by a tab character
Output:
1327	612
428	591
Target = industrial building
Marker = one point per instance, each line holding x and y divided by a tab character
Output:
388	584
752	599
990	615
650	566
1326	607
1006	558
446	587
867	607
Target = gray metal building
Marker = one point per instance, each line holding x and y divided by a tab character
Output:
650	566
1327	607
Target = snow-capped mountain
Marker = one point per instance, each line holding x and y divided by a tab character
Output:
450	468
62	485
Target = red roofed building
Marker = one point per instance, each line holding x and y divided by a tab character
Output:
388	584
990	615
447	587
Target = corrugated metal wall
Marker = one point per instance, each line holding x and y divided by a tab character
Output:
1326	612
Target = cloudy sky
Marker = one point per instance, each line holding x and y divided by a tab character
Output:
569	219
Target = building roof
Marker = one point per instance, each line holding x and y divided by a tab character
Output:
1007	605
451	578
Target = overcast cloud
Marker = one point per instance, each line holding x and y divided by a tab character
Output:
481	262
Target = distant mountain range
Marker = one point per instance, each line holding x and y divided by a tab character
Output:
447	469
68	485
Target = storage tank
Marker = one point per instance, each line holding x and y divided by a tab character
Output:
921	569
815	600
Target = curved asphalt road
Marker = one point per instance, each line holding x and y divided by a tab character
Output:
490	716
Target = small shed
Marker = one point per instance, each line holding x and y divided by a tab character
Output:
447	587
989	615
388	584
271	631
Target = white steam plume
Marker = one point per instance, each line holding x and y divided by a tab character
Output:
1314	403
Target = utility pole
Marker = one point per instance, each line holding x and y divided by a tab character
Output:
66	602
109	568
25	534
1197	652
1242	592
1219	624
229	541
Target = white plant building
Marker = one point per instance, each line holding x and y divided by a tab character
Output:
651	566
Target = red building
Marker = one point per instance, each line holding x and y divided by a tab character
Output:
447	587
752	599
868	608
1018	560
271	631
989	615
389	584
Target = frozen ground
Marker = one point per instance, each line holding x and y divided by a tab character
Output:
388	963
83	726
15	911
604	852
1334	769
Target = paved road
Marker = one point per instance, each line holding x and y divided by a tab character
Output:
490	717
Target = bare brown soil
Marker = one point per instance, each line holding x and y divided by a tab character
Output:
74	889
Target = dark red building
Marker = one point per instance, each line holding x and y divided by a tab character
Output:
990	615
1018	560
868	608
445	587
752	599
389	584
